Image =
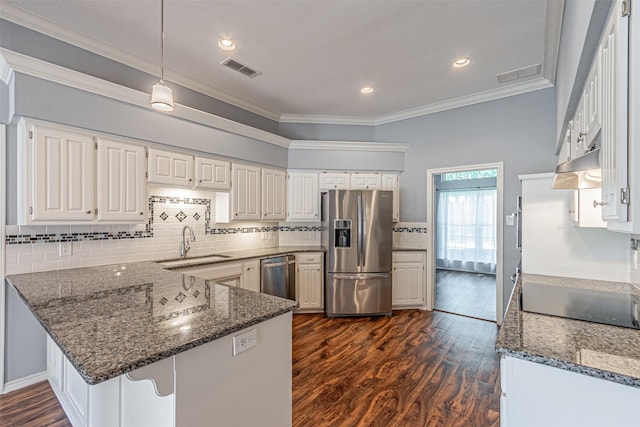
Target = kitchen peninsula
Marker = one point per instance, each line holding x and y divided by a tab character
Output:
121	323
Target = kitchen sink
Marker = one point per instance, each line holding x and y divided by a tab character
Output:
181	262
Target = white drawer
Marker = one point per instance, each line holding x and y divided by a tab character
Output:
309	258
404	256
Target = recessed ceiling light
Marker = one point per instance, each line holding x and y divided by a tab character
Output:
366	89
226	44
462	62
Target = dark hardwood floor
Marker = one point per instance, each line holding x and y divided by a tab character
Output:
32	406
468	294
415	368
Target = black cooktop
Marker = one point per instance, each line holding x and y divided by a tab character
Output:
608	307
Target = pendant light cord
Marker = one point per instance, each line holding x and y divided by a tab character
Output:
162	41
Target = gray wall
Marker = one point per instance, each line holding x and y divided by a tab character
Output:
34	44
347	160
321	132
519	131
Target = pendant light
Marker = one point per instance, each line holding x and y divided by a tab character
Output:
162	95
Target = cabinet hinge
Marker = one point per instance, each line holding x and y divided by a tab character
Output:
96	143
146	153
96	211
30	210
30	134
624	195
146	174
626	8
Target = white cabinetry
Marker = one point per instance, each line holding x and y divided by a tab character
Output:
169	168
335	180
213	174
538	395
251	275
409	279
303	197
583	211
391	182
245	192
613	57
309	281
366	181
274	194
56	172
122	189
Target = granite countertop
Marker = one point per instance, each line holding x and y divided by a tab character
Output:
112	319
231	256
602	351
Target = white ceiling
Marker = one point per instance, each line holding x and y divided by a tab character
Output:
316	55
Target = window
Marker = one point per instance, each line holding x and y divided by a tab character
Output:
458	176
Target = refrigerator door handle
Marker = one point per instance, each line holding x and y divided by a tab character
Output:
363	225
360	232
363	276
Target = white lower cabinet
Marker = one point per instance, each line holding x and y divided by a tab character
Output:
536	395
409	279
223	273
310	282
251	275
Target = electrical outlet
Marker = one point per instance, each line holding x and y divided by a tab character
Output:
65	248
245	341
509	220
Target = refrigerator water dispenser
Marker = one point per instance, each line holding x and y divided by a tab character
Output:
343	233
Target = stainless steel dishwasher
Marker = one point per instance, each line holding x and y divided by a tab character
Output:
279	276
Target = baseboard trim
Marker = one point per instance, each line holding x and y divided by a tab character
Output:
25	381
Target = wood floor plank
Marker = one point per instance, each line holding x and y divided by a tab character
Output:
465	293
32	406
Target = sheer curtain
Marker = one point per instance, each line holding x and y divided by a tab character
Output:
466	230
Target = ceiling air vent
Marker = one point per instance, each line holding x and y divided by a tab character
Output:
520	73
241	68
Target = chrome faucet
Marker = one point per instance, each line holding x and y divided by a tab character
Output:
184	246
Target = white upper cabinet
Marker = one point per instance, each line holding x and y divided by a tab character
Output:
245	192
214	174
592	105
274	194
335	180
122	187
366	181
391	182
56	174
613	57
303	197
169	168
583	212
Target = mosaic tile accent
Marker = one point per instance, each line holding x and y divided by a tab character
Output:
196	216
164	216
409	229
181	216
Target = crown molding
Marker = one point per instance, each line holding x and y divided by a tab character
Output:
333	120
349	146
476	98
553	28
26	19
5	71
23	64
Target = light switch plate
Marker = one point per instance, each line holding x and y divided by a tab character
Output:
508	220
65	248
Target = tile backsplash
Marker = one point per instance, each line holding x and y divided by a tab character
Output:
37	248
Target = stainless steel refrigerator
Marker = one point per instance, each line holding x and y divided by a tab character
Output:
357	238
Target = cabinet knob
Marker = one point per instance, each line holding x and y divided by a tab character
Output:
88	212
571	211
141	213
190	179
596	204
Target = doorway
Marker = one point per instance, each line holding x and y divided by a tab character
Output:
465	258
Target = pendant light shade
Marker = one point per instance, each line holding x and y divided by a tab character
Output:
161	94
162	97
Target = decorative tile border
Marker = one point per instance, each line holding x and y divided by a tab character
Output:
409	229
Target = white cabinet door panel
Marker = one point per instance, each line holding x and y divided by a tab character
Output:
121	182
303	197
245	192
212	173
274	194
335	181
170	168
63	175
